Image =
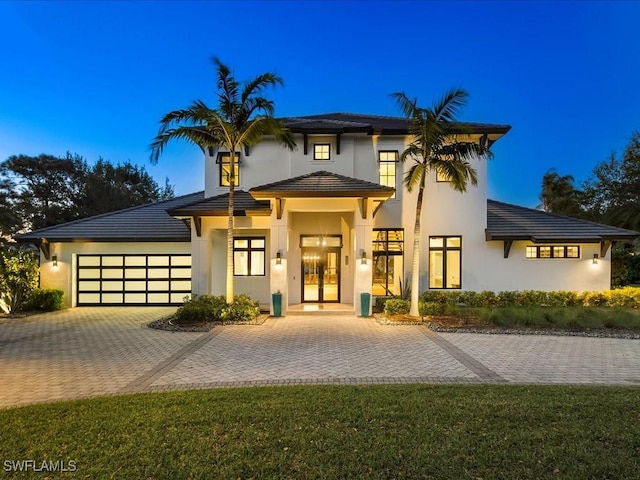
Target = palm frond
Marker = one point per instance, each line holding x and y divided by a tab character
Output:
447	109
258	84
407	106
414	177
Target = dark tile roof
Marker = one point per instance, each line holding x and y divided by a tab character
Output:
149	222
321	184
243	204
512	222
352	122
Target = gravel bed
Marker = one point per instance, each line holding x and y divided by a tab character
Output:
490	330
167	324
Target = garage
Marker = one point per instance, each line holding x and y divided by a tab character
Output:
144	279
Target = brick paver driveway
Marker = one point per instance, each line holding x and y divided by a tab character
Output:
97	351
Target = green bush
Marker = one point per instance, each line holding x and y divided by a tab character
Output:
593	299
469	299
432	308
201	308
18	277
45	299
380	301
243	308
440	296
396	306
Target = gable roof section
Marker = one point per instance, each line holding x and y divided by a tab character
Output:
145	223
512	222
243	203
333	123
321	184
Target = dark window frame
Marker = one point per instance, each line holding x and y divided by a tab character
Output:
444	249
395	169
552	255
249	249
328	145
386	252
222	163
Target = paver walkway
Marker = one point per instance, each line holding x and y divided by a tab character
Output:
99	351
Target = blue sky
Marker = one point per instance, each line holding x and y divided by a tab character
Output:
94	78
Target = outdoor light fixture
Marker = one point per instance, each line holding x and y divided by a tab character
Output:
595	258
278	258
363	258
54	260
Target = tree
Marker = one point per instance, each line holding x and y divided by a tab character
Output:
558	194
434	146
241	119
107	187
37	192
18	277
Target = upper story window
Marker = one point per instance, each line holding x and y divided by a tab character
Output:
555	251
388	161
224	160
321	151
445	262
249	256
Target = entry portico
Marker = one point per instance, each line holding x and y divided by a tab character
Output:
310	235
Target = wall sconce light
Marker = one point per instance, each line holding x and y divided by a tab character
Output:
278	258
595	258
54	260
363	258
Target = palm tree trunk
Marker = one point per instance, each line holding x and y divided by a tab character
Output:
232	180
415	266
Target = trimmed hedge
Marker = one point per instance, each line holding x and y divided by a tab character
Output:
628	297
210	308
396	306
45	299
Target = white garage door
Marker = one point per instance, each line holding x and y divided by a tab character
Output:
133	279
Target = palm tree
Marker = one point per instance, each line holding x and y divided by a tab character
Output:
240	120
434	146
558	195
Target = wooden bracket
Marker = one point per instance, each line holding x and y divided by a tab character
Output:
362	203
375	210
305	140
279	207
45	248
197	222
507	247
338	144
604	247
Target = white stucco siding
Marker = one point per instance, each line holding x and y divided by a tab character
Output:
494	272
63	276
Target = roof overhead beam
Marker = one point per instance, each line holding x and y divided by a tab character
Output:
305	141
362	203
507	247
246	150
604	247
279	207
337	144
45	248
197	222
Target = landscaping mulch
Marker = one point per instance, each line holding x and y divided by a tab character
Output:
167	324
444	324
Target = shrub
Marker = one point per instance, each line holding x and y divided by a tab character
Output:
432	308
563	298
45	299
506	299
201	308
470	299
593	299
380	301
440	296
243	308
396	306
487	298
18	277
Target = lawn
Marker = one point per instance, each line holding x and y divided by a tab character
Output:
392	431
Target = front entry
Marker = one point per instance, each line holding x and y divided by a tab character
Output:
320	274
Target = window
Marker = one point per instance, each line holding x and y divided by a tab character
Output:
249	256
555	251
321	151
224	159
388	161
388	261
445	262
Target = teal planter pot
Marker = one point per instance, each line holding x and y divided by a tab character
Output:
365	302
277	304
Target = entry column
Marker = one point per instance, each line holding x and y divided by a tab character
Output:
278	278
363	272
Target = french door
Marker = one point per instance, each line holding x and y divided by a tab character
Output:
320	274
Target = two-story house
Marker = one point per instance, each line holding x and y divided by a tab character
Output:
323	223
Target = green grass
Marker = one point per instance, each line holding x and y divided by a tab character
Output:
377	432
569	318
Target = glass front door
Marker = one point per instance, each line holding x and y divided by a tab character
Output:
320	274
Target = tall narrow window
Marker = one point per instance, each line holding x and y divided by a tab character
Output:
388	161
445	262
248	256
322	151
224	159
388	261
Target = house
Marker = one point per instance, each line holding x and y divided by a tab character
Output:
320	224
